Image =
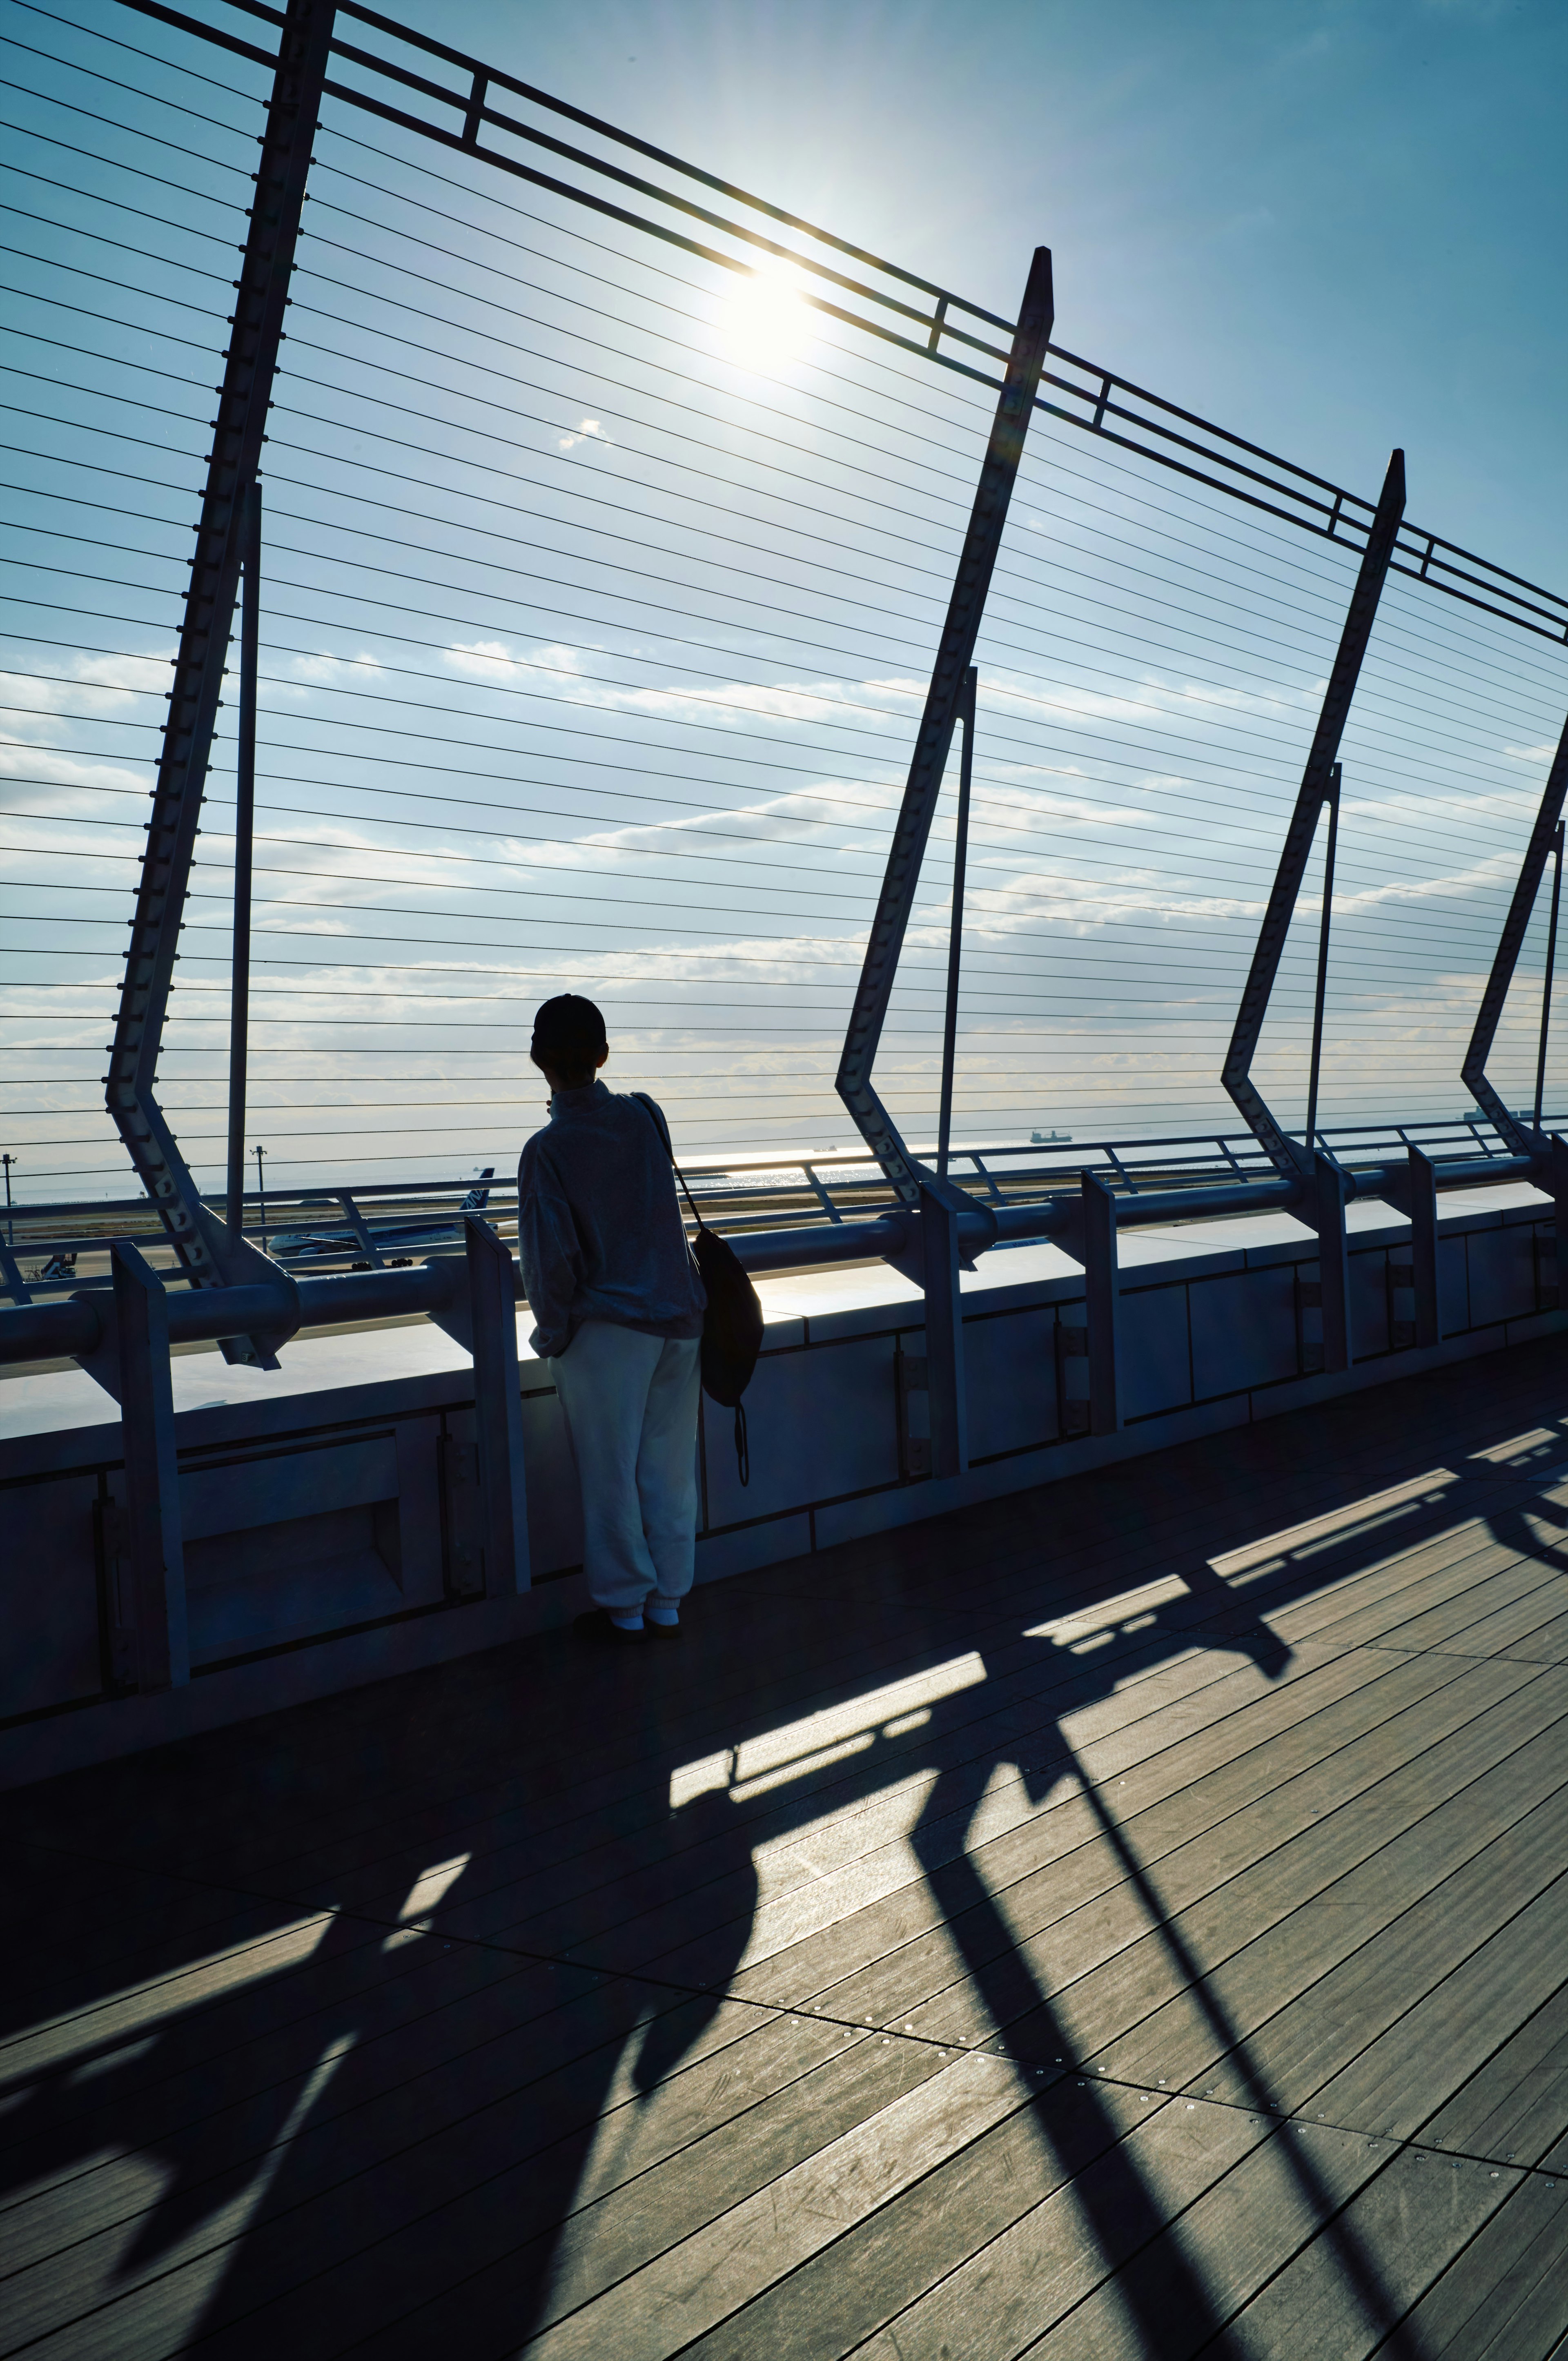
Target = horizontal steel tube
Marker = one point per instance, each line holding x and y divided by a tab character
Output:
1014	1223
1472	1172
780	1250
48	1332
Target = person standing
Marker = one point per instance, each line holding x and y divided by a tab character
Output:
618	1305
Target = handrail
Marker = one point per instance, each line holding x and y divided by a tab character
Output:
79	1326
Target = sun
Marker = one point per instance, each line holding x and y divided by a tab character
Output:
764	322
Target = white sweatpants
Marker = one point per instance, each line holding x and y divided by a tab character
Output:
631	1409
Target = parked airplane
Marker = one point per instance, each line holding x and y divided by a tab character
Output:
388	1237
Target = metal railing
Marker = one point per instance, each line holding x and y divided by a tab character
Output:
359	1226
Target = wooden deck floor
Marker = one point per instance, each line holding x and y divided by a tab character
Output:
1129	1920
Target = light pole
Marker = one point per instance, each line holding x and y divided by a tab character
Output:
259	1154
8	1159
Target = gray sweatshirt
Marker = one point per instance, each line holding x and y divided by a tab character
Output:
598	1226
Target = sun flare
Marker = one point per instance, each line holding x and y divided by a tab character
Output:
764	322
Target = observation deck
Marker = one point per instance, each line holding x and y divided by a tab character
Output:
1126	1917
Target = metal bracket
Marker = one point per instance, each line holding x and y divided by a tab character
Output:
497	1408
1287	1157
955	653
1524	1140
482	1319
1327	1201
153	1567
362	1237
209	1252
943	1335
1416	1198
16	1285
1088	1235
913	1374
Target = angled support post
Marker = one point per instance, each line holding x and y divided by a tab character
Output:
1327	1201
1523	1140
956	925
1550	969
943	1335
955	653
151	1559
1317	787
244	849
498	1411
211	1254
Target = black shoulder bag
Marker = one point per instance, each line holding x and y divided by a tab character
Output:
732	1324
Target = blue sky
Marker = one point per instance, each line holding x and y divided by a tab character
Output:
1329	224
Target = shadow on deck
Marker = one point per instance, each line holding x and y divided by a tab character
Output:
1125	1919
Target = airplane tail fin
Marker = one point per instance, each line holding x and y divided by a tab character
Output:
479	1198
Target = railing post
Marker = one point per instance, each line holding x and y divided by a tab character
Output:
1423	1247
1102	1297
944	1335
1334	1259
153	1556
498	1409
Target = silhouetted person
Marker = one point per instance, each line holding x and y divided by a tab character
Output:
619	1305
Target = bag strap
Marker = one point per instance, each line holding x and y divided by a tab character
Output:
657	1120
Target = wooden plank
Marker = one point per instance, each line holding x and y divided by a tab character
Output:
682	1934
1360	1614
93	1926
1515	1601
1317	2032
1161	1803
1514	2108
1015	2290
1505	2296
863	2280
1238	2235
1410	2070
695	2286
1415	2217
1549	1645
1151	2015
1115	1984
1003	1697
75	2140
1517	1625
686	2282
1018	1916
469	2052
361	2120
